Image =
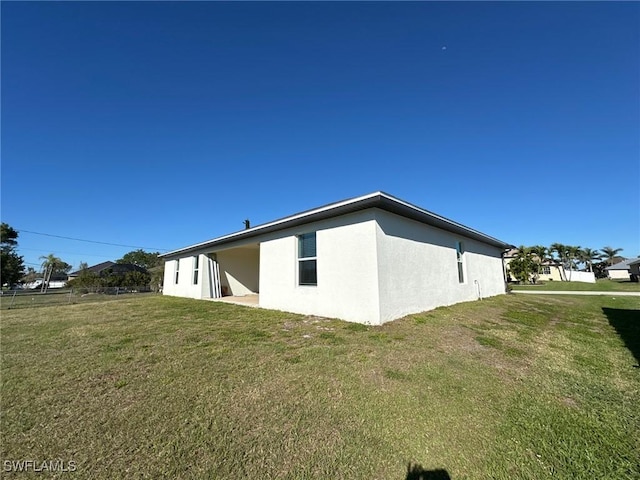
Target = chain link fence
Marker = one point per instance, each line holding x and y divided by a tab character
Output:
11	299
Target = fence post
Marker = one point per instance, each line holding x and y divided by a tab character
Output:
12	299
70	292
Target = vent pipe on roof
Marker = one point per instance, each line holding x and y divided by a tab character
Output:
247	224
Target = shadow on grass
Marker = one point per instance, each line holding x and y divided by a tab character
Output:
627	324
416	472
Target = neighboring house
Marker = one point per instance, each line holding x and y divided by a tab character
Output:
97	269
370	259
57	280
634	269
552	270
620	270
110	268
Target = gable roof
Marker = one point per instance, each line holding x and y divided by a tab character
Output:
623	265
94	268
379	200
116	267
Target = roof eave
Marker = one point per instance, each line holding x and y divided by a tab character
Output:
374	200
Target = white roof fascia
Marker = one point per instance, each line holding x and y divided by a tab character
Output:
373	200
246	232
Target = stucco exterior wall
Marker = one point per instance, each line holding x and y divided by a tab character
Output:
553	275
185	286
373	266
346	266
239	270
585	277
418	267
618	274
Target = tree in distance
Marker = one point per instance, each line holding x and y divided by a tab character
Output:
610	254
11	264
141	258
55	264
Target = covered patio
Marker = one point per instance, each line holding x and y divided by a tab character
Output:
234	274
252	300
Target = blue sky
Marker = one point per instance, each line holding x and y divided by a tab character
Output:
161	124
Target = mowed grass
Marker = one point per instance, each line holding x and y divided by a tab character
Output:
601	285
157	387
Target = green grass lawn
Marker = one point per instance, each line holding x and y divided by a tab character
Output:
602	285
157	387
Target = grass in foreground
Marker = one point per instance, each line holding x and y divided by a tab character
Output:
160	387
601	285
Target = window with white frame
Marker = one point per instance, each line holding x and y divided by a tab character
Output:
460	259
177	270
307	261
196	264
546	270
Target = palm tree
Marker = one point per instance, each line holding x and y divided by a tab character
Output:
51	260
573	254
50	263
588	256
542	254
522	265
541	251
561	251
610	253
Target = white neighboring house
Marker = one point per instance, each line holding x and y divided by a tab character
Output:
634	269
620	270
56	281
370	259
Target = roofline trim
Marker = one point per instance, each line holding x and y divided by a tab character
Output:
377	199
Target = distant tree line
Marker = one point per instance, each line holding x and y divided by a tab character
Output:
110	278
528	263
149	272
146	260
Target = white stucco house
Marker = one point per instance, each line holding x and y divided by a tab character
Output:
634	267
370	259
620	270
